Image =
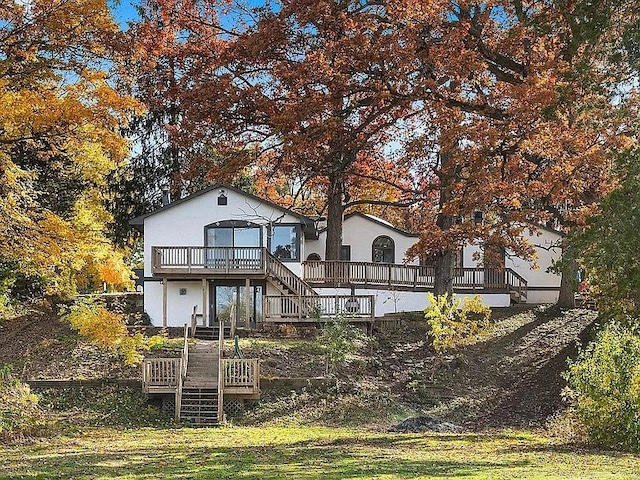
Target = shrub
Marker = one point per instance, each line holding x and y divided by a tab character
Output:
107	330
604	388
455	322
337	339
19	411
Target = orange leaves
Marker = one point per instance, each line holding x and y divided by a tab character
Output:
60	117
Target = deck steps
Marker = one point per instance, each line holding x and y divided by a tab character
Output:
199	400
199	406
211	333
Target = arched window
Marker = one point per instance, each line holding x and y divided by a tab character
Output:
383	250
313	257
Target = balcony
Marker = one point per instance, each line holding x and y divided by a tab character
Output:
208	260
413	277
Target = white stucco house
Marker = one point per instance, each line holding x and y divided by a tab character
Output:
231	256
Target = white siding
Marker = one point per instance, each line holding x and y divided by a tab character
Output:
184	225
359	232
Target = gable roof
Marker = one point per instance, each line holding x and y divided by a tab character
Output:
380	221
138	222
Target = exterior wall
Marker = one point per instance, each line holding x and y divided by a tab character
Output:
183	224
179	307
359	232
548	250
398	301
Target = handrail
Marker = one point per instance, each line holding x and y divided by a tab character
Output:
391	275
160	372
184	361
318	307
220	372
242	373
192	259
289	279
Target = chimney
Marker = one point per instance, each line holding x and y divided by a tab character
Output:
166	196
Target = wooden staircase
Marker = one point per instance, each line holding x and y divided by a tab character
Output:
199	404
202	332
285	280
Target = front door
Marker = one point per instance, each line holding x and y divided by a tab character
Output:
229	301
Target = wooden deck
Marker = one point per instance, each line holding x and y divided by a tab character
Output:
316	308
254	262
412	277
204	261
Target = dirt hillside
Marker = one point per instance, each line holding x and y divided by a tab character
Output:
512	378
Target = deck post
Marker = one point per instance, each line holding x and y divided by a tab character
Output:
164	301
204	302
247	302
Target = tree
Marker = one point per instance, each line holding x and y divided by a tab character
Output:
310	86
608	248
59	121
522	122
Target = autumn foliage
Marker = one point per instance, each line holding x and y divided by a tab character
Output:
59	136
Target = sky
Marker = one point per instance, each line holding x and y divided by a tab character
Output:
123	11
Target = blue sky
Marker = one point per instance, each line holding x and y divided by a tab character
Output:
123	11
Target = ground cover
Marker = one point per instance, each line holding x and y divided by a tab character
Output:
307	453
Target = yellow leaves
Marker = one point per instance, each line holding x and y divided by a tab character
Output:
106	329
97	324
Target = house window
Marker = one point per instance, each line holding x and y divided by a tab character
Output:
222	199
345	253
285	242
383	250
313	257
232	233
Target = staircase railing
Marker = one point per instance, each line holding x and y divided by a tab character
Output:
160	373
220	372
517	285
285	276
184	361
242	373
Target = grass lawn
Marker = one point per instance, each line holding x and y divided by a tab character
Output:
306	453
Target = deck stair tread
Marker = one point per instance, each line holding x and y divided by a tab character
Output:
199	401
203	332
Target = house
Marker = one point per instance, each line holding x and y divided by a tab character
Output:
224	255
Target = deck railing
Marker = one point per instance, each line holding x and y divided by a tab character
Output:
318	307
160	373
389	275
285	276
241	373
221	418
184	362
208	259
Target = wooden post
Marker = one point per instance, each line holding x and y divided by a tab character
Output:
205	303
164	302
247	302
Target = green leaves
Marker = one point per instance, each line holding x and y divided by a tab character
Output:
456	322
604	387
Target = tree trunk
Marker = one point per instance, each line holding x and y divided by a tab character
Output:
335	210
445	259
568	282
445	262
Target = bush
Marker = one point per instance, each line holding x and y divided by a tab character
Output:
337	339
108	330
19	411
454	322
106	405
604	388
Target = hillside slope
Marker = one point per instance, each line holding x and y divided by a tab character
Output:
512	378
